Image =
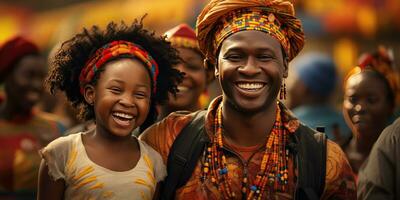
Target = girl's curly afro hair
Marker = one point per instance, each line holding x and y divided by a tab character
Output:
69	60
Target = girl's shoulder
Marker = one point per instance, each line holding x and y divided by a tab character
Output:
59	152
148	150
63	143
67	139
153	160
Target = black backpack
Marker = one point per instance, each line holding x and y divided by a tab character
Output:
309	145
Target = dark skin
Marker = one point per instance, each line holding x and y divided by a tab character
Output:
195	81
250	69
124	87
366	109
23	87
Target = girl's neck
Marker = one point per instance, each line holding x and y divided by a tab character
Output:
107	138
247	130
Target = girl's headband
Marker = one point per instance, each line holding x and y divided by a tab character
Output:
112	50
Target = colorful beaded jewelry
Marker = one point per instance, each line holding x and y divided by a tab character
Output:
273	174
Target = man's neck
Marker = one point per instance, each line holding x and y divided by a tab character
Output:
247	129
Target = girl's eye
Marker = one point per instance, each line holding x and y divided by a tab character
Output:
140	95
115	90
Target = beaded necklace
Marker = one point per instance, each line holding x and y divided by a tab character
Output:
273	173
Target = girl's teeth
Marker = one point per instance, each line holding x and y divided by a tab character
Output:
123	115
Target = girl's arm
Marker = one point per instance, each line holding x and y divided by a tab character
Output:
48	188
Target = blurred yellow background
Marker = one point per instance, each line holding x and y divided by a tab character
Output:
341	28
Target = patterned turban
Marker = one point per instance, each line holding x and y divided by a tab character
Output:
12	51
221	18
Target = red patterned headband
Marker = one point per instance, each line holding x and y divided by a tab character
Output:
382	62
113	50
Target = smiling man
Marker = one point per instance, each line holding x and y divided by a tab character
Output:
253	147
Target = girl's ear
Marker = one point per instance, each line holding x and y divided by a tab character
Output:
89	94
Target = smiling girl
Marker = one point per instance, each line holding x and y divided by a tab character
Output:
115	77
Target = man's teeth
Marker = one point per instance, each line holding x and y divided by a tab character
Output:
123	115
183	88
250	86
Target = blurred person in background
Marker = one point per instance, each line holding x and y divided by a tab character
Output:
57	103
192	95
310	95
23	129
370	90
379	177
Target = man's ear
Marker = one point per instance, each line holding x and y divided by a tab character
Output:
209	67
209	76
216	72
285	67
89	94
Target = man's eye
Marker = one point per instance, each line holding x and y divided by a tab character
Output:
234	57
265	57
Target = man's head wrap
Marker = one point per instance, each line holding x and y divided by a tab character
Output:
12	51
221	18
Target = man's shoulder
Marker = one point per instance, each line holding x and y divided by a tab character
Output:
388	142
161	136
340	180
390	134
337	165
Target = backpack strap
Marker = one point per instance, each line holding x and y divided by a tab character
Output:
311	160
184	155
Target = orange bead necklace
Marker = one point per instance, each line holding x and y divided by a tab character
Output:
273	173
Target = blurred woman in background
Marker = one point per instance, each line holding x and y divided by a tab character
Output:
192	95
23	129
370	92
